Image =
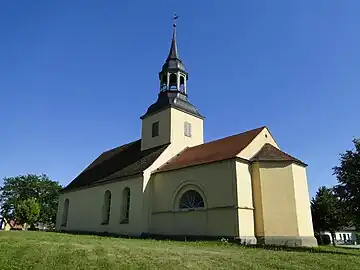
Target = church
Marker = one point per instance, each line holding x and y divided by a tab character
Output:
170	183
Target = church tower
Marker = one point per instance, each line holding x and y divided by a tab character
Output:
172	118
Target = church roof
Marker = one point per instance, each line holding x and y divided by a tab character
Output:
270	153
213	151
115	164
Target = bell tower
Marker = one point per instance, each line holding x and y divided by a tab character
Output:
172	118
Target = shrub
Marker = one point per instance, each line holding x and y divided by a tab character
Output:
323	239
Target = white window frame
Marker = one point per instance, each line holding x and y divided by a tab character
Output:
155	129
187	129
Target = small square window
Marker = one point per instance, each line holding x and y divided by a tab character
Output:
155	129
187	129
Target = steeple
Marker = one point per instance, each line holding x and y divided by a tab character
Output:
173	83
173	76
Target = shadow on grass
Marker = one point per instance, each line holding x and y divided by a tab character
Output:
217	241
332	250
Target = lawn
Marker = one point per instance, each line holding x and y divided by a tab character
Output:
42	250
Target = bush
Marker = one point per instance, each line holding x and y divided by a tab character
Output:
323	239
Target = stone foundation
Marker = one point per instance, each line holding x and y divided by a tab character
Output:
290	241
247	240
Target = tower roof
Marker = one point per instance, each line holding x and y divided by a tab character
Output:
172	99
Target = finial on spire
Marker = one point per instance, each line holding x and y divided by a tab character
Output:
173	54
175	17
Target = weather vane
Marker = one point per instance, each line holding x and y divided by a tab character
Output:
175	18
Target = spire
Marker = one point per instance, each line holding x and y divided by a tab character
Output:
173	83
174	54
173	62
173	75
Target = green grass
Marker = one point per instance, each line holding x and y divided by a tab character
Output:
40	250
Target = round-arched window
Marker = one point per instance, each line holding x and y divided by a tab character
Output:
191	200
173	82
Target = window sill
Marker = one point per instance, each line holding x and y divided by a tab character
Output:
191	209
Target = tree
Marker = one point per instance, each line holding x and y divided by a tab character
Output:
348	177
20	188
27	211
327	212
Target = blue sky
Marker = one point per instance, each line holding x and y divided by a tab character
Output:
75	76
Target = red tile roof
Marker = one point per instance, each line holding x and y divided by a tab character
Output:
270	153
217	150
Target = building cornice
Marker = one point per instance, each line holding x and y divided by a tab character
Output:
101	183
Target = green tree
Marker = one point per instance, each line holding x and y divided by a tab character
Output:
348	177
27	211
20	188
327	212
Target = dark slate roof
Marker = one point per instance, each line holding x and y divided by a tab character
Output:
270	153
173	53
123	161
213	151
173	99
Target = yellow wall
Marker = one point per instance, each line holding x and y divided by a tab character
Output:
262	138
171	129
277	199
217	183
164	119
85	208
302	201
257	199
244	199
281	200
178	118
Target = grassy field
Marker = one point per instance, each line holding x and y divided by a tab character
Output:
40	250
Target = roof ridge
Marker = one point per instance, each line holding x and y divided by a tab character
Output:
234	135
120	146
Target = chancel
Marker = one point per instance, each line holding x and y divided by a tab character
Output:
170	183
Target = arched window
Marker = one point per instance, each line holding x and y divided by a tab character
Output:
182	84
173	82
191	200
125	208
65	213
163	83
106	207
